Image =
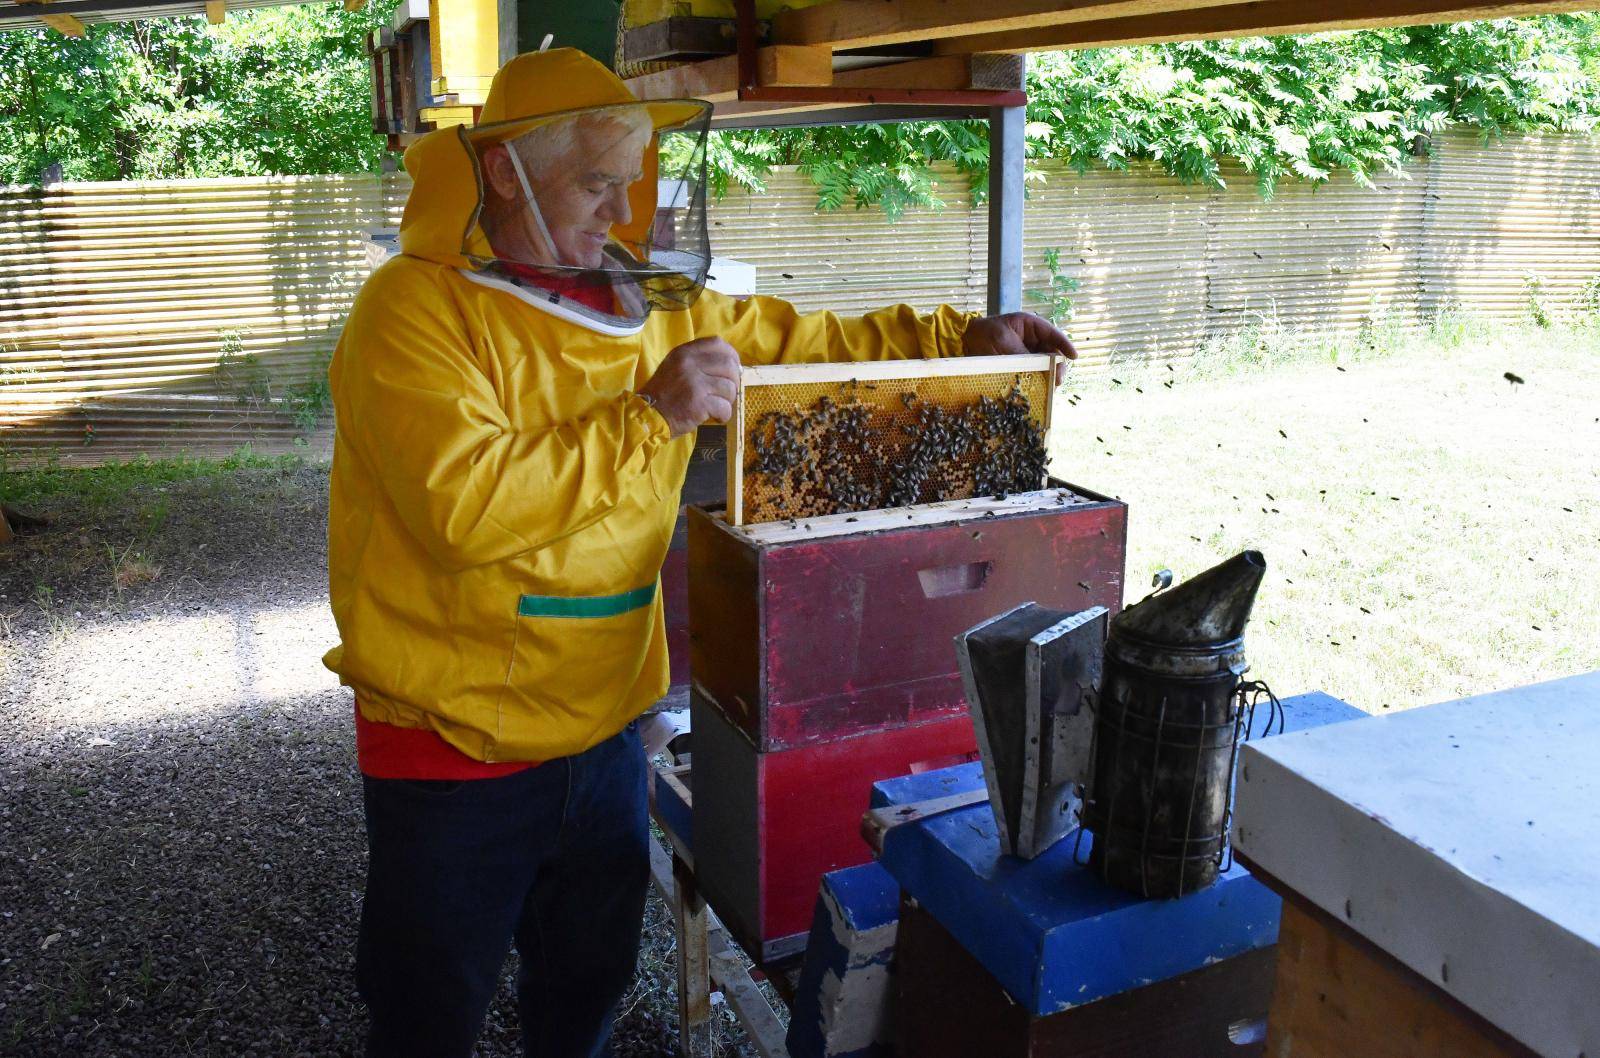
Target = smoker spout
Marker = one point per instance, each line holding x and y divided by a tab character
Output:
1210	609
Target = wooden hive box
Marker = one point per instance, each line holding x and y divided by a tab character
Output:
836	626
822	659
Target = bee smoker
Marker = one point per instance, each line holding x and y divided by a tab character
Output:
1170	714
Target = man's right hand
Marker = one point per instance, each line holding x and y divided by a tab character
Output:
697	382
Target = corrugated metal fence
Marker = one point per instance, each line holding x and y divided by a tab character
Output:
194	315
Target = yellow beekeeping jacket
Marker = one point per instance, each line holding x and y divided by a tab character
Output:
501	501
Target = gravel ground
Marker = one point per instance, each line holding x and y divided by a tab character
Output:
181	847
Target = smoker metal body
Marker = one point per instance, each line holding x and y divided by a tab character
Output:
1169	718
1029	676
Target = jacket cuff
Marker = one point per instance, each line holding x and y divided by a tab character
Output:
640	414
949	326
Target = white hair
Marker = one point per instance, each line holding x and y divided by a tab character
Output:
552	144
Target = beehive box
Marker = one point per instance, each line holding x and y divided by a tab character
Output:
768	826
817	439
842	625
822	659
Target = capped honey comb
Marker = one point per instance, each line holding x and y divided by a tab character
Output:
819	439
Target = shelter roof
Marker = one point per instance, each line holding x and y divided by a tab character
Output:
32	15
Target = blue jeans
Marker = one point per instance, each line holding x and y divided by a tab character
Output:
555	858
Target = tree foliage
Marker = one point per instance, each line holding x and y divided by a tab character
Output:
1280	107
272	90
285	90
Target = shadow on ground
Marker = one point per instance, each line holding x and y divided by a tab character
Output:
181	844
193	887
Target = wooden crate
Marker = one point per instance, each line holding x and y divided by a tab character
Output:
890	395
1338	994
1212	1012
844	625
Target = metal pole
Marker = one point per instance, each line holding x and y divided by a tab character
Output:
1006	165
510	47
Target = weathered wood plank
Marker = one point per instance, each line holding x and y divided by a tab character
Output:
678	37
693	964
729	976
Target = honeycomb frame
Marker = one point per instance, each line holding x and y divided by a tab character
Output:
952	384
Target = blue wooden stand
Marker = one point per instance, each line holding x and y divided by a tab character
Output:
1053	935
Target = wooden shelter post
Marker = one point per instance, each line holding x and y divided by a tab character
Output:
1006	167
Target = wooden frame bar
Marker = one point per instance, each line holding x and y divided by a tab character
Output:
881	370
1039	25
755	75
768	534
678	37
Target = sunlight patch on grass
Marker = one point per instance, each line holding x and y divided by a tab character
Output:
1430	528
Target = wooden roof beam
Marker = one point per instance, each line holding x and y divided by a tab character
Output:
994	73
847	24
216	11
717	80
726	112
1257	18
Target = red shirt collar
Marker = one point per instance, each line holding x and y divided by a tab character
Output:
578	288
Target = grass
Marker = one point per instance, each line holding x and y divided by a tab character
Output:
117	529
29	488
1430	527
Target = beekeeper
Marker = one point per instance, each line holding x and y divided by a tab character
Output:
516	395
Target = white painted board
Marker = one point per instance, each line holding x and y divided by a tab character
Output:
1461	838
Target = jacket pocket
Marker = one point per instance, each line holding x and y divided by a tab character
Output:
574	661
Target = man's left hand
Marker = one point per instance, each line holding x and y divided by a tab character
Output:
1017	332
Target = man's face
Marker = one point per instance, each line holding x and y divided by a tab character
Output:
581	193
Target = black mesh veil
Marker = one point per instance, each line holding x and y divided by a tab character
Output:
598	213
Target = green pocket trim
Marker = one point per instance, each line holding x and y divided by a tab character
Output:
585	605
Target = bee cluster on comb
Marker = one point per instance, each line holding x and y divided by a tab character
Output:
855	451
